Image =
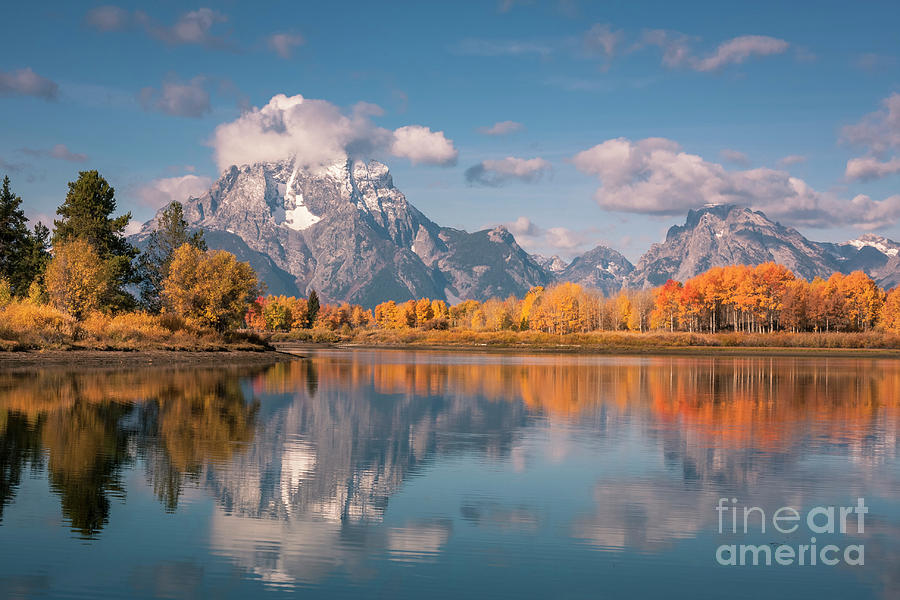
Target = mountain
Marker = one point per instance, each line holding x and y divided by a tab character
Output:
552	264
876	255
601	268
346	231
726	235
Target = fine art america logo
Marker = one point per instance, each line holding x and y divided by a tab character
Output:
820	520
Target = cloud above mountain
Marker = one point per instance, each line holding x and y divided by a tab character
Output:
178	98
317	132
160	192
494	173
422	145
556	240
878	133
868	167
655	176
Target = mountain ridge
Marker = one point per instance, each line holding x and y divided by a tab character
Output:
345	230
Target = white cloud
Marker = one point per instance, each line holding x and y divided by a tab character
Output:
675	46
59	151
421	145
791	160
677	50
507	5
316	132
604	39
868	167
739	49
524	227
194	27
872	62
735	156
181	99
866	213
555	240
161	192
477	47
878	132
25	82
108	18
283	44
498	172
655	176
502	128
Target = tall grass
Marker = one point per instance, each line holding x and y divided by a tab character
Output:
597	340
25	325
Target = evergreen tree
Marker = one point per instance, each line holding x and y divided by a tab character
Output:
38	253
171	232
87	214
15	241
312	309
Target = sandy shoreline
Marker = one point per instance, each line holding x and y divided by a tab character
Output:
107	359
117	359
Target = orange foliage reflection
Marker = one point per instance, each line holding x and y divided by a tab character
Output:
748	402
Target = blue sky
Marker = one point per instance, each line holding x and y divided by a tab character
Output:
137	91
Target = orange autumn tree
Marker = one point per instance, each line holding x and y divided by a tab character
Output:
667	298
890	313
760	299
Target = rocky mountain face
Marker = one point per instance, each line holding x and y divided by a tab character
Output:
347	232
552	264
601	268
876	255
727	235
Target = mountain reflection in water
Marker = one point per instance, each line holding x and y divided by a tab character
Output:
335	469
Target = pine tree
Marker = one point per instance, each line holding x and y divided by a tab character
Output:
312	310
171	232
87	214
38	254
15	241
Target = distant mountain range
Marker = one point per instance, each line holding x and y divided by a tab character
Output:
347	232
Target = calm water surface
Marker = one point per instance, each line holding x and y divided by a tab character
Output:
410	475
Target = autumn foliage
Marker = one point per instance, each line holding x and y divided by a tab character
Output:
738	299
210	288
769	298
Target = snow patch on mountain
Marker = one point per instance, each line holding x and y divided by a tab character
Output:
883	245
299	217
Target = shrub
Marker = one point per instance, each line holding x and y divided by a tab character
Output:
125	327
211	288
76	278
36	324
5	292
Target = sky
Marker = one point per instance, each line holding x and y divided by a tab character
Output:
573	123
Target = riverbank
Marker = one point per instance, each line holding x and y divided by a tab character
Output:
874	344
115	359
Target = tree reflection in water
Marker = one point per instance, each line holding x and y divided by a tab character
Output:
335	435
90	426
